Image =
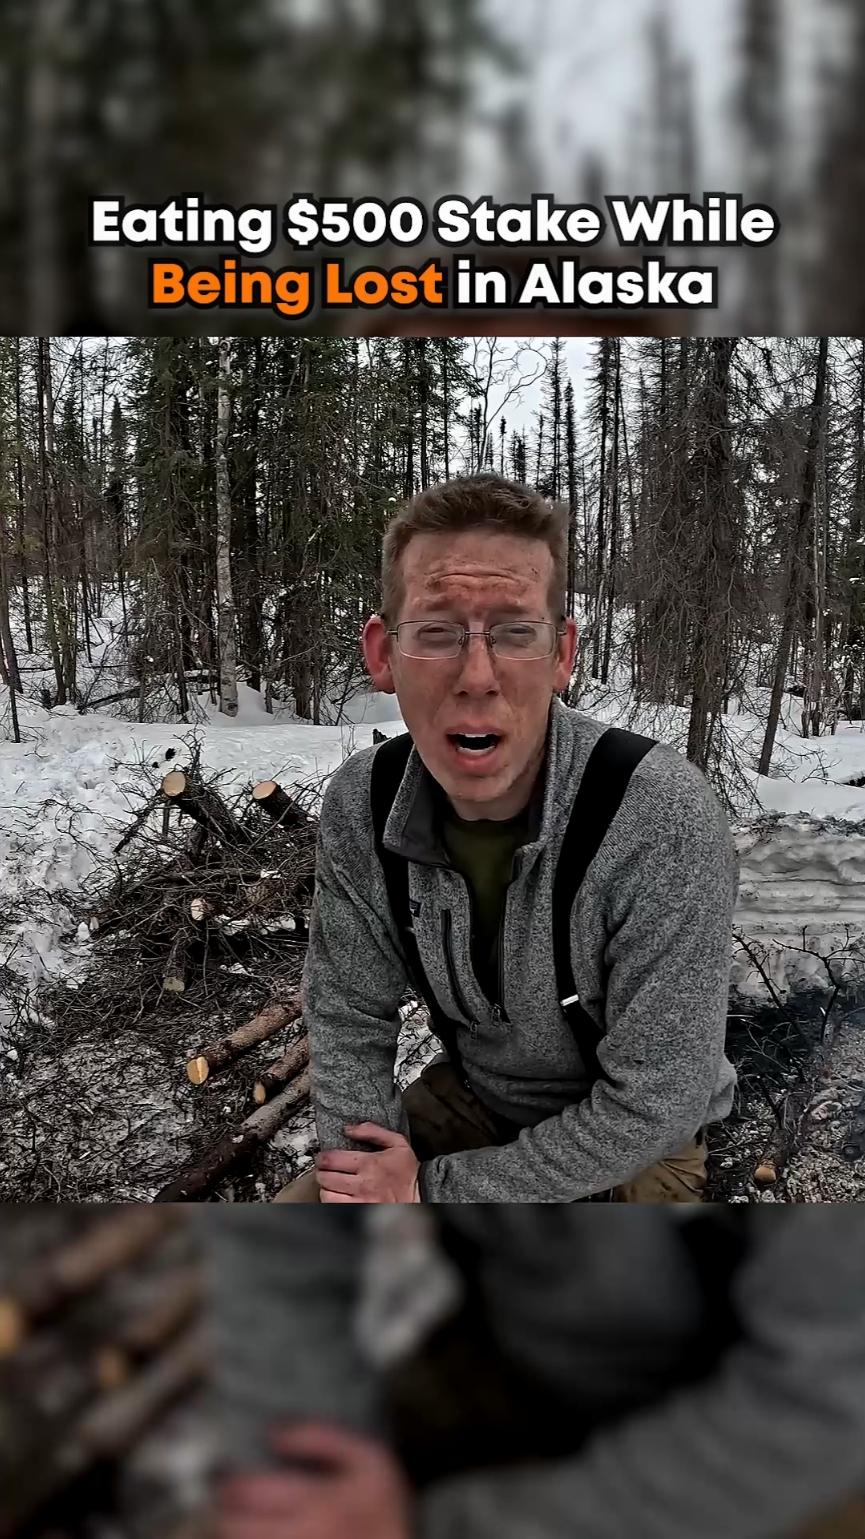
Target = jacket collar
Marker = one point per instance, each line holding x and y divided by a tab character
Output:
412	826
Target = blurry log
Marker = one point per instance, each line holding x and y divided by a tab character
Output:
278	804
235	1145
207	808
209	1060
280	1072
201	909
174	977
106	1430
154	1322
111	1243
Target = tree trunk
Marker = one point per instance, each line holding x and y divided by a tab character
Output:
614	517
224	591
43	410
711	508
19	492
794	563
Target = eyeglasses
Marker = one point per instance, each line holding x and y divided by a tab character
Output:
512	639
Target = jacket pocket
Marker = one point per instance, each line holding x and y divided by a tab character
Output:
447	947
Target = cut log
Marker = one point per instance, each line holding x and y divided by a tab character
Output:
235	1145
279	1073
106	1430
174	977
218	1055
279	805
113	1242
206	807
201	909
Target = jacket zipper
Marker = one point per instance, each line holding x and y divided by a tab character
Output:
499	1011
451	968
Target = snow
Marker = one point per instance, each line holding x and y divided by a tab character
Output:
69	790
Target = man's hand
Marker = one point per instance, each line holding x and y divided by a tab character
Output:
342	1485
390	1174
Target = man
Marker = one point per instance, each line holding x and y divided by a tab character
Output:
651	1374
474	641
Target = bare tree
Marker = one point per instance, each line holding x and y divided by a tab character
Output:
227	619
797	556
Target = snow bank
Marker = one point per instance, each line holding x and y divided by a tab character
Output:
70	789
801	898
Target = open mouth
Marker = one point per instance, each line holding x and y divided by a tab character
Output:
475	744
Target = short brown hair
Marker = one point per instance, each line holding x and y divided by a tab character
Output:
475	502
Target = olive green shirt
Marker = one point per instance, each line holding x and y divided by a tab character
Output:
483	851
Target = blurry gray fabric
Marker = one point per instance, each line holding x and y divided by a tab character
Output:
597	1303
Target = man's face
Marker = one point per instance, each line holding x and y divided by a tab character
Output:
475	578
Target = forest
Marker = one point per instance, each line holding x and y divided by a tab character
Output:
230	495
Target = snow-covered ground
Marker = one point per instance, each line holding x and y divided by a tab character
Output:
70	789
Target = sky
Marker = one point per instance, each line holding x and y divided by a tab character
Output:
520	412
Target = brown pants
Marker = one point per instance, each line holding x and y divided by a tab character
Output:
455	1405
445	1116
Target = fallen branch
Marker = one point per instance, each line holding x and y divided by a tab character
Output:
209	1060
140	818
282	1071
119	694
235	1145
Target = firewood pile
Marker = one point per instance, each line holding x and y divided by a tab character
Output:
179	1052
236	889
236	880
102	1358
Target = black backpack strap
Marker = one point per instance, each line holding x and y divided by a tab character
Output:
611	763
388	767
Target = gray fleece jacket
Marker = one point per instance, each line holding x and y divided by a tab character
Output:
650	938
599	1304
